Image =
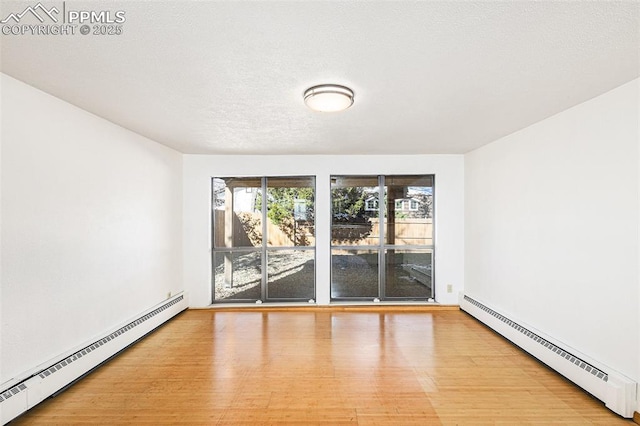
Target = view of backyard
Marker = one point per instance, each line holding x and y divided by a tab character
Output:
379	250
382	249
257	257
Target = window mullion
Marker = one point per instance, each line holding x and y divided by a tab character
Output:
382	205
263	287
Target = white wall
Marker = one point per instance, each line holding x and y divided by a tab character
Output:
449	216
551	222
91	226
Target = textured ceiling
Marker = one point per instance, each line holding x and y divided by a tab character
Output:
429	77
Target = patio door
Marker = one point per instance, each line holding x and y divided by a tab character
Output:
382	237
263	239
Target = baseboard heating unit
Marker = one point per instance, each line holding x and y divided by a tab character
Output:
617	391
18	397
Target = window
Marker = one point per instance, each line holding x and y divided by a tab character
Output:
263	238
382	250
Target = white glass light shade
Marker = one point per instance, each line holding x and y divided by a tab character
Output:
328	98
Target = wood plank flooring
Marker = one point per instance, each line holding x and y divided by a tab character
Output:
210	367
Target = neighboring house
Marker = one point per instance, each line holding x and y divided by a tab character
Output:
402	204
371	204
407	205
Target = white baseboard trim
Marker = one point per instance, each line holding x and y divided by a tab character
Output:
617	391
18	396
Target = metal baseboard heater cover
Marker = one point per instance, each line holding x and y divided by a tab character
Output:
617	391
22	396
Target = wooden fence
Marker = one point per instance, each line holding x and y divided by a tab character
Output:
247	231
405	232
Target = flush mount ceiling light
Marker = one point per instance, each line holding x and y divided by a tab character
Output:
328	98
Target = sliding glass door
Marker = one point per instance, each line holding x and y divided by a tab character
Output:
382	237
263	239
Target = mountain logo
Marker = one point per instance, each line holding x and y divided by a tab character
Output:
39	11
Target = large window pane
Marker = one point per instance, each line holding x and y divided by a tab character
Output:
409	210
291	211
290	274
355	203
354	273
388	218
237	275
237	213
254	218
408	273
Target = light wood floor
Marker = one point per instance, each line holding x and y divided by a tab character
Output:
310	367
